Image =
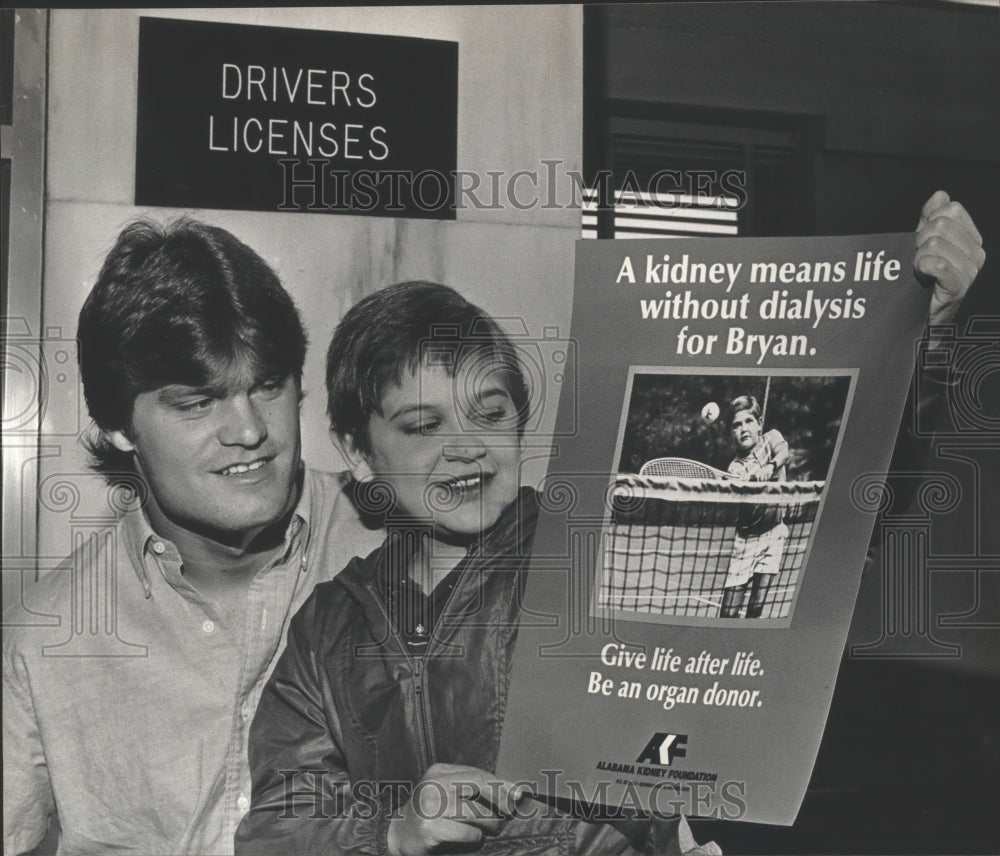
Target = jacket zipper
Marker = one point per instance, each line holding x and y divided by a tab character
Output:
417	670
417	664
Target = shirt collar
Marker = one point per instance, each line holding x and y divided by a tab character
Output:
141	541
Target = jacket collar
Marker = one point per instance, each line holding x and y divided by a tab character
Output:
512	535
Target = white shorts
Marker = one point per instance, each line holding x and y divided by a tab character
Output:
756	554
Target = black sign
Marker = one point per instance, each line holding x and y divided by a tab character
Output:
275	119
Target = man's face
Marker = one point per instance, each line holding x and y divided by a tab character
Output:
449	447
221	461
745	429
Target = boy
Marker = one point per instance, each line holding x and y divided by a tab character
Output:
380	729
760	533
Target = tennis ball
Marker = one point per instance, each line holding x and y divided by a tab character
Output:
710	412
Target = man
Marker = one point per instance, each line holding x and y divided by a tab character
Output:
191	357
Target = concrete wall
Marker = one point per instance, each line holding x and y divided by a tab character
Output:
519	104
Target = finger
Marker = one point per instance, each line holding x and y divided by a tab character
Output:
413	833
444	831
953	223
465	793
486	788
956	211
948	263
436	771
467	802
490	825
942	309
951	281
938	198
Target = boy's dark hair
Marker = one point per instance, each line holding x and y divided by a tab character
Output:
178	303
400	328
744	402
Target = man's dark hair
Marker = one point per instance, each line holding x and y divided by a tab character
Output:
178	304
744	402
400	328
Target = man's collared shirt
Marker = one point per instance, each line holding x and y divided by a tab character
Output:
129	715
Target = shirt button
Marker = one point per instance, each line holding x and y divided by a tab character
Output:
245	711
159	548
208	626
242	803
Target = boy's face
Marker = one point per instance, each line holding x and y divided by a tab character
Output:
745	429
449	447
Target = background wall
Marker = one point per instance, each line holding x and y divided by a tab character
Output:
519	103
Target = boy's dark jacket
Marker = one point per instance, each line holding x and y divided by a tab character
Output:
348	709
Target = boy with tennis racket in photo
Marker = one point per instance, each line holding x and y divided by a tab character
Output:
759	542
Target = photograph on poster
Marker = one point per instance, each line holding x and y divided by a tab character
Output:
719	482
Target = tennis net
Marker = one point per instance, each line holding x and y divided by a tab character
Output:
669	543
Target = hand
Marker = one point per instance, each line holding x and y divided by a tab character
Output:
452	805
949	255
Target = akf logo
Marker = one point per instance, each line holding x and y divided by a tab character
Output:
662	749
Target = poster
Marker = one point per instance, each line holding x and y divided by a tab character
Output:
706	516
